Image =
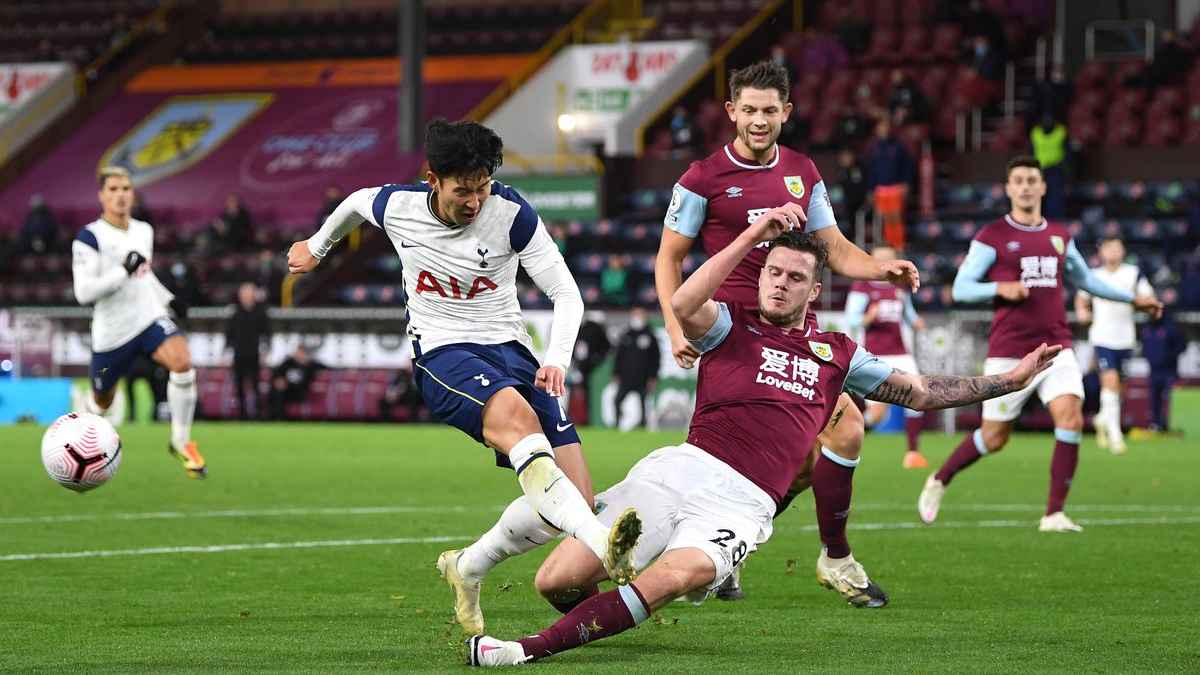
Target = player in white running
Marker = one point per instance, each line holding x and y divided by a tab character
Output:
461	237
111	269
1112	335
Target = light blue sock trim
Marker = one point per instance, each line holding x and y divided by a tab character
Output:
833	457
1067	435
909	412
980	446
634	604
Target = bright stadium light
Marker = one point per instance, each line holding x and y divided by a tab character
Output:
567	123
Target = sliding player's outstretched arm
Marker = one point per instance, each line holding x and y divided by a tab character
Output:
304	256
931	392
546	267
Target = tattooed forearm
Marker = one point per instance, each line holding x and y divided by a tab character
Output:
948	391
889	392
939	391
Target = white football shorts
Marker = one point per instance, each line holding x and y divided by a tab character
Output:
1062	377
687	498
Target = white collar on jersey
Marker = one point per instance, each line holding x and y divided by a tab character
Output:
1025	228
769	165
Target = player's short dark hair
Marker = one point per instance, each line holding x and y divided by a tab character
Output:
761	75
462	149
1022	161
1104	239
803	241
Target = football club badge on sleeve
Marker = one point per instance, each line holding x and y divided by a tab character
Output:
1058	243
795	185
822	350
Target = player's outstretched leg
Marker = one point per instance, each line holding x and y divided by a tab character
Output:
833	486
677	572
181	401
510	426
519	530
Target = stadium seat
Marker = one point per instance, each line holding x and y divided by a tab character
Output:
947	40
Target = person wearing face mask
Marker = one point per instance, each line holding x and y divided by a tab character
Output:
637	363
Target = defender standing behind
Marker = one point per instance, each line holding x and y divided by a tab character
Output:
1015	263
460	237
715	200
1113	335
111	269
878	308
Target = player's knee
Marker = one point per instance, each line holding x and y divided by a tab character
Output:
994	439
847	438
551	581
1071	420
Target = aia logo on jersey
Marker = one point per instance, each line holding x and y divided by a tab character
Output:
427	283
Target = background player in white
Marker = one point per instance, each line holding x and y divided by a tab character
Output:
461	237
1113	336
111	269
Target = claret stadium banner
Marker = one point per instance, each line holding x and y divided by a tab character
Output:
275	134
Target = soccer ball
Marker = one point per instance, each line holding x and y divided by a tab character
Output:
81	451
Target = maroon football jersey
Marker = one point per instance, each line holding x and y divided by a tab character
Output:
1035	256
883	337
718	197
764	394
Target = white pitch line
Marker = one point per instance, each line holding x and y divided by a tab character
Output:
338	543
224	548
291	512
1081	508
247	513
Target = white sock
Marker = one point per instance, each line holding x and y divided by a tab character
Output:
519	530
1110	411
553	495
181	399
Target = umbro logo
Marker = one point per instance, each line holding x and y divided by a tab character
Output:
1013	246
733	192
752	329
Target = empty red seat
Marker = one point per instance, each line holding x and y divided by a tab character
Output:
947	41
882	48
914	46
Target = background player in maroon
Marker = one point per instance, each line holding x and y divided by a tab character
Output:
767	386
715	200
1015	262
878	308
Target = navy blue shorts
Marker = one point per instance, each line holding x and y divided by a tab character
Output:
457	380
108	367
1112	359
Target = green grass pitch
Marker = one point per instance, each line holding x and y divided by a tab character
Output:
208	576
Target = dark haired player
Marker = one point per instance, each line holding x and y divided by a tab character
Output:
715	200
768	383
1018	263
461	236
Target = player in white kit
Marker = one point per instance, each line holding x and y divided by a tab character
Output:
1112	335
461	237
111	269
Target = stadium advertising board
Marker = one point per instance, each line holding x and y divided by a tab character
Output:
278	143
560	197
32	95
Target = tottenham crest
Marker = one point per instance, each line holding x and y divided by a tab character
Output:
1058	243
822	350
795	185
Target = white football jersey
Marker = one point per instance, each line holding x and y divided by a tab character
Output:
460	282
124	305
1112	322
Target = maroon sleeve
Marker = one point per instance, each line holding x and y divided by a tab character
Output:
694	180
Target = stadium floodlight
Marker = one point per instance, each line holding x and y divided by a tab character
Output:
567	123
